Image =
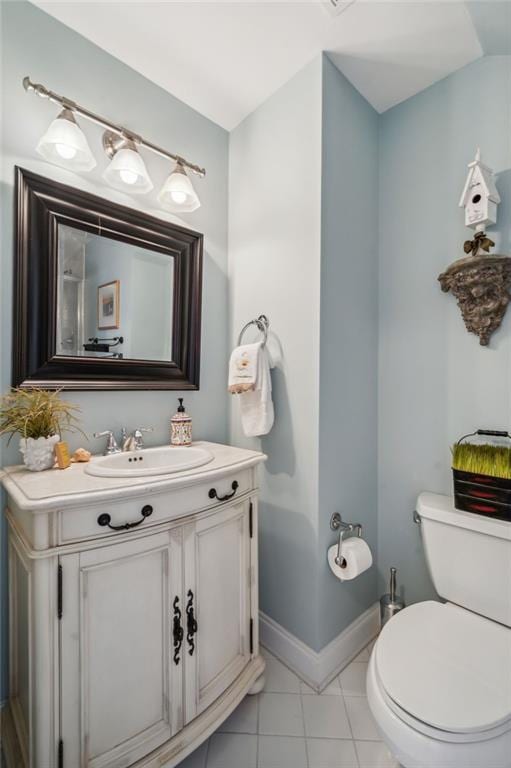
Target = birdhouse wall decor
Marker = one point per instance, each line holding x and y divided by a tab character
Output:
480	196
480	282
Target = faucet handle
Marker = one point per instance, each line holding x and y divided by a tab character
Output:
111	443
137	434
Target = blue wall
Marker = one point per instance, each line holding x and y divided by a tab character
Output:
35	44
274	268
435	382
348	341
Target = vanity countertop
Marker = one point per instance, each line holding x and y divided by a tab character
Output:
57	488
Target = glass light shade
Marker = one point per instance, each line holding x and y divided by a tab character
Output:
177	194
65	144
127	171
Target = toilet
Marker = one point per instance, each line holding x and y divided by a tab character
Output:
439	677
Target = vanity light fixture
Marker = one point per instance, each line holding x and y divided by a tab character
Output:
126	170
65	144
177	194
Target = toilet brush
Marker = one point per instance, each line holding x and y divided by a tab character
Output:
390	603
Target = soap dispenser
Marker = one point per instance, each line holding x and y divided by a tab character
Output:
390	603
181	426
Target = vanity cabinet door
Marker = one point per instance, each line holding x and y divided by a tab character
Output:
121	689
217	597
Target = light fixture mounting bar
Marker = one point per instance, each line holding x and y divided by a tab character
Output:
66	103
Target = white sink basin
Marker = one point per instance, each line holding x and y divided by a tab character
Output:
150	461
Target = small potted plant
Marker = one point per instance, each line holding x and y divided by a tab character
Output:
38	417
482	475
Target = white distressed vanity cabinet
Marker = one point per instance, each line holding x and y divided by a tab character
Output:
130	644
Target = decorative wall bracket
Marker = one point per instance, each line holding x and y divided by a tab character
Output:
481	285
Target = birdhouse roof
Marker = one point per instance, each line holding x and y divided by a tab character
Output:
477	170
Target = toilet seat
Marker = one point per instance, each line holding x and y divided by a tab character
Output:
434	673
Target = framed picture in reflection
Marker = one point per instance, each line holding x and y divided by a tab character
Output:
108	305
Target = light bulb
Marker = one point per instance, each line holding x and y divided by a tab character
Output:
65	151
65	144
129	177
178	197
127	170
177	194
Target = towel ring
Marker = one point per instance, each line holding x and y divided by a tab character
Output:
262	323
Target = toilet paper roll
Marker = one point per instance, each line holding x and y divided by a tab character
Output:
357	555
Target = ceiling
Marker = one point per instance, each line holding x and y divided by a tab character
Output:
225	58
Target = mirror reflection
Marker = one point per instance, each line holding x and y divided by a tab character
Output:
114	299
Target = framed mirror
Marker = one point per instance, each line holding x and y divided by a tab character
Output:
105	297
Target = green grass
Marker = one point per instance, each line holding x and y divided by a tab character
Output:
36	413
494	460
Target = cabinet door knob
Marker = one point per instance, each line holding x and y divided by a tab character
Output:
104	519
191	623
214	495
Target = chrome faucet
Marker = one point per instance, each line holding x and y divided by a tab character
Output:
135	441
111	442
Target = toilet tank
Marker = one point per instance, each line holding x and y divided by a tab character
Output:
468	556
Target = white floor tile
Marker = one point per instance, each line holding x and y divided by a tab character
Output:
197	759
280	714
374	754
325	717
232	750
243	719
353	679
279	679
281	752
361	719
331	753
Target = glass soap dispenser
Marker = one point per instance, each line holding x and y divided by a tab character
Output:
181	426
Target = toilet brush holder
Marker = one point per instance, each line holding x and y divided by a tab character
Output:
390	603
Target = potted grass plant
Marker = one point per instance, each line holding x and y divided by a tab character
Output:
482	476
39	417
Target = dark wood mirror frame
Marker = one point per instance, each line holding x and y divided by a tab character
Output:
41	205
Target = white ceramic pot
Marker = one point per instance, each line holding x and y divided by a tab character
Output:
38	453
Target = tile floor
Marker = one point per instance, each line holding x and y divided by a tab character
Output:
288	725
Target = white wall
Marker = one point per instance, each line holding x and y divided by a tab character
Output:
274	268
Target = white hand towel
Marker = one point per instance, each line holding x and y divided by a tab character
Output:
257	413
243	367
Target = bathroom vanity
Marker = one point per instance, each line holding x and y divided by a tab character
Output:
133	608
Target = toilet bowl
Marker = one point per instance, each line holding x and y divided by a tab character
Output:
439	677
439	688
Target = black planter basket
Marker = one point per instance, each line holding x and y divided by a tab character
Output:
483	494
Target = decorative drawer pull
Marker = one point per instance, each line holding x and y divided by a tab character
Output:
104	519
178	631
191	623
214	495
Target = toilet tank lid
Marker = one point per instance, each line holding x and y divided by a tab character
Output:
447	667
436	506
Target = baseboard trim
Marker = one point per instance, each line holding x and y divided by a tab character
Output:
319	669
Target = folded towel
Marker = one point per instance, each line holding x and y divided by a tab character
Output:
256	406
243	367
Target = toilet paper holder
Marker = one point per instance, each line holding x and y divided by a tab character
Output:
345	529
